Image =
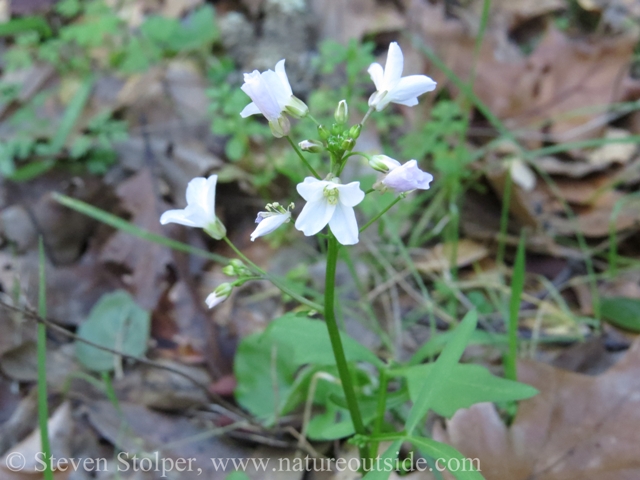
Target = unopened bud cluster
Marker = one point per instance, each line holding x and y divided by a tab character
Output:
236	268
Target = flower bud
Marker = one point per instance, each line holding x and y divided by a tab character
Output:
296	107
229	271
323	132
382	163
311	146
348	144
216	230
342	112
336	129
354	132
280	127
219	295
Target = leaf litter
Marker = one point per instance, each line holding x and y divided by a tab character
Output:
578	425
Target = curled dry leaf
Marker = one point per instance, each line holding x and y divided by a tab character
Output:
577	427
438	258
60	427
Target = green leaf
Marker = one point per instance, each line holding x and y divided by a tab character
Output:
461	468
442	370
383	466
435	344
264	374
72	114
622	312
115	322
468	384
25	24
236	146
310	343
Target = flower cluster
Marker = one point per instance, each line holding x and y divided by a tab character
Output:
328	201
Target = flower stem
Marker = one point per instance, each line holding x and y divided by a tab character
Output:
385	210
281	286
304	160
366	116
336	341
312	118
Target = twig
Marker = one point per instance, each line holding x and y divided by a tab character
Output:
145	361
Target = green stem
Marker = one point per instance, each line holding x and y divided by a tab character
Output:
380	410
336	341
304	160
385	210
362	154
504	218
312	118
366	116
283	288
43	407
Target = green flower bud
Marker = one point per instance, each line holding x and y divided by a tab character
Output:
280	127
354	132
311	146
342	112
348	144
216	230
296	107
229	271
323	132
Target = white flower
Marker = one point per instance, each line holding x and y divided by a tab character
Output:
329	202
201	208
403	178
392	87
219	295
268	221
272	96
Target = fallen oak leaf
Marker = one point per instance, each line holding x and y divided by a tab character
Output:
579	426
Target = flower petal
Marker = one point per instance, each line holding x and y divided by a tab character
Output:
197	191
407	177
210	197
344	226
269	224
377	75
177	216
282	74
258	90
350	194
314	217
277	90
409	88
394	66
251	109
312	189
214	299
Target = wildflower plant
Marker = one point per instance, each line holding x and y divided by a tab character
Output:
355	400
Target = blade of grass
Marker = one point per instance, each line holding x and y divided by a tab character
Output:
43	406
72	114
121	224
517	286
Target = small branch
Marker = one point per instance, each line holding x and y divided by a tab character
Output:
57	328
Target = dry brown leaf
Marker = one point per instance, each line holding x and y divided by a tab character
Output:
172	436
144	264
595	221
342	20
528	92
438	258
578	427
60	428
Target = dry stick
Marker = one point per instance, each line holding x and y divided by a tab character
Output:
55	327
